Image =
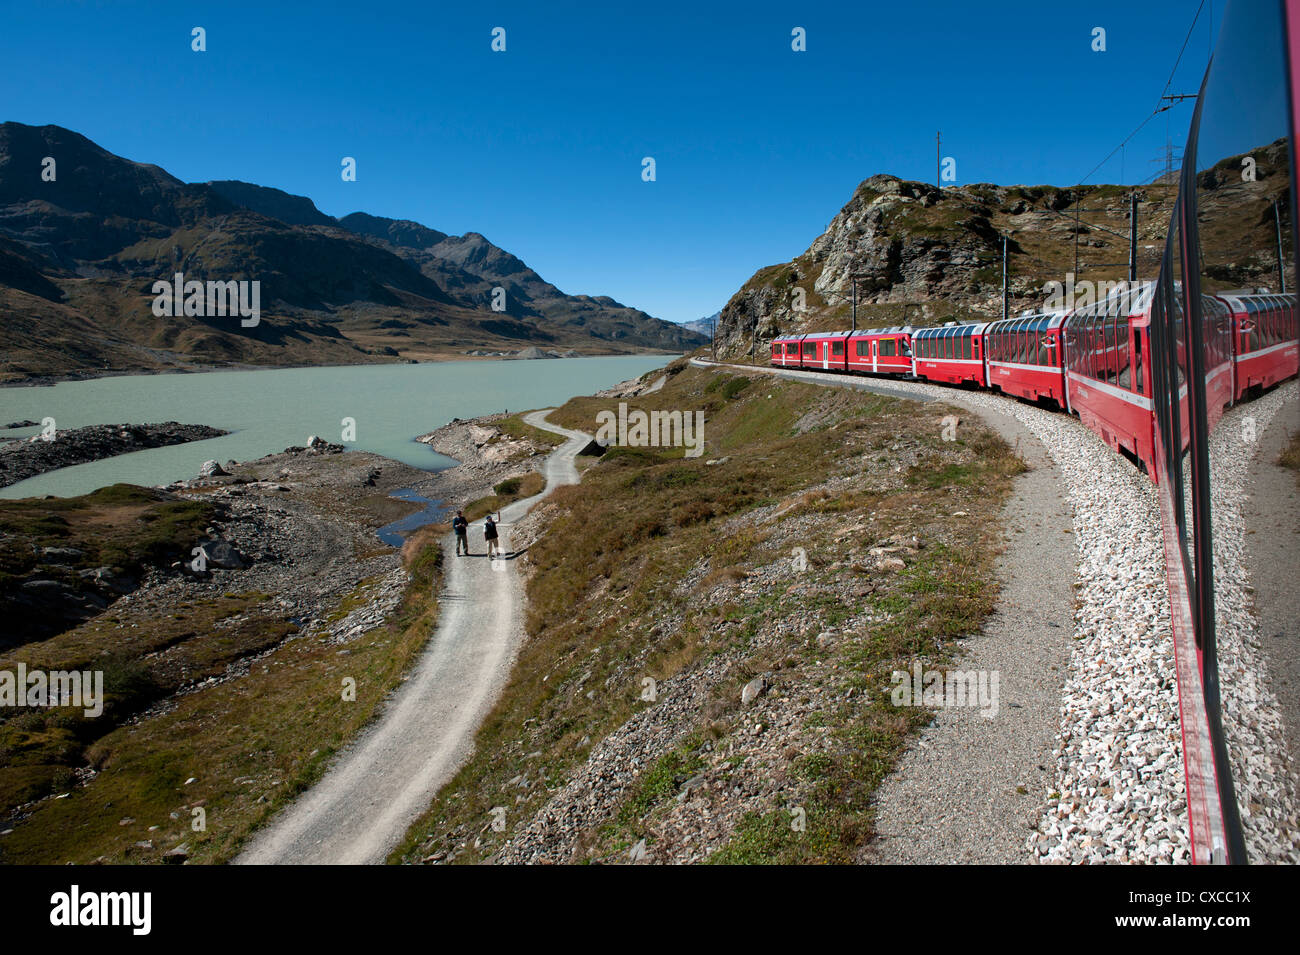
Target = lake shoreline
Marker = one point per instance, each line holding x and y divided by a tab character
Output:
48	381
25	458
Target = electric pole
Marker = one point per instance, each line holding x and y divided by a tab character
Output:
1132	237
1004	278
1277	221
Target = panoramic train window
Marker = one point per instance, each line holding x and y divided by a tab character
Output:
837	348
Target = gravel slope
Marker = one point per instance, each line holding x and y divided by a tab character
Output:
380	784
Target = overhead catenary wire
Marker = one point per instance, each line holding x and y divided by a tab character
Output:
1158	107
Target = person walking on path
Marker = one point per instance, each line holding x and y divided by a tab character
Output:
461	527
490	535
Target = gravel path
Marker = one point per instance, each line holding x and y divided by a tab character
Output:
379	785
1273	535
1117	791
968	789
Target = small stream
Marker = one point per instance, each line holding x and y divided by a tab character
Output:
434	511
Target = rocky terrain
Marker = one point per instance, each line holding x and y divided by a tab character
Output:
923	255
79	256
21	460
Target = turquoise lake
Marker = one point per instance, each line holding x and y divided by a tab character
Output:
270	409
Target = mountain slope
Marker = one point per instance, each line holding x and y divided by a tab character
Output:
79	256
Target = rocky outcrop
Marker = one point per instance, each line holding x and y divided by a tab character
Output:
922	255
37	455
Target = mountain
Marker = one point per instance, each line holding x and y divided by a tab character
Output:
703	326
923	255
79	255
273	203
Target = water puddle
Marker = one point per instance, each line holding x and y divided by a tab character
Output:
394	534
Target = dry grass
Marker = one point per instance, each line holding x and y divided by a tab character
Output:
249	743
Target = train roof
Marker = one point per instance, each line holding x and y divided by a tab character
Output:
1030	322
1252	302
951	331
891	330
1127	299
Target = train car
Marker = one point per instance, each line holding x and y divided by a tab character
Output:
786	350
1264	340
950	354
1025	357
825	351
1107	371
881	351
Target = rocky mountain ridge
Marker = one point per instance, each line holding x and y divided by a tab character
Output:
924	255
84	234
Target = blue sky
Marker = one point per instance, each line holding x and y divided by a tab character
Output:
539	148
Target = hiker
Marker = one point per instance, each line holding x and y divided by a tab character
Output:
461	527
490	535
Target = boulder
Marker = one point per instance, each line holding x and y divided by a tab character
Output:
221	553
212	469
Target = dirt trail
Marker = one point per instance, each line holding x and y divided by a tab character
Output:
379	785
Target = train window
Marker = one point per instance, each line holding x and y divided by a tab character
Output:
1098	345
1121	357
888	348
860	348
837	348
1138	376
1112	349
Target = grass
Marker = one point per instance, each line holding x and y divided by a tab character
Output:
123	527
606	610
238	749
506	492
515	426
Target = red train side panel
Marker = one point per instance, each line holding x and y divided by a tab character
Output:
1108	374
950	354
881	351
1264	341
1026	358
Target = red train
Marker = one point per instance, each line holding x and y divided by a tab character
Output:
1093	361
